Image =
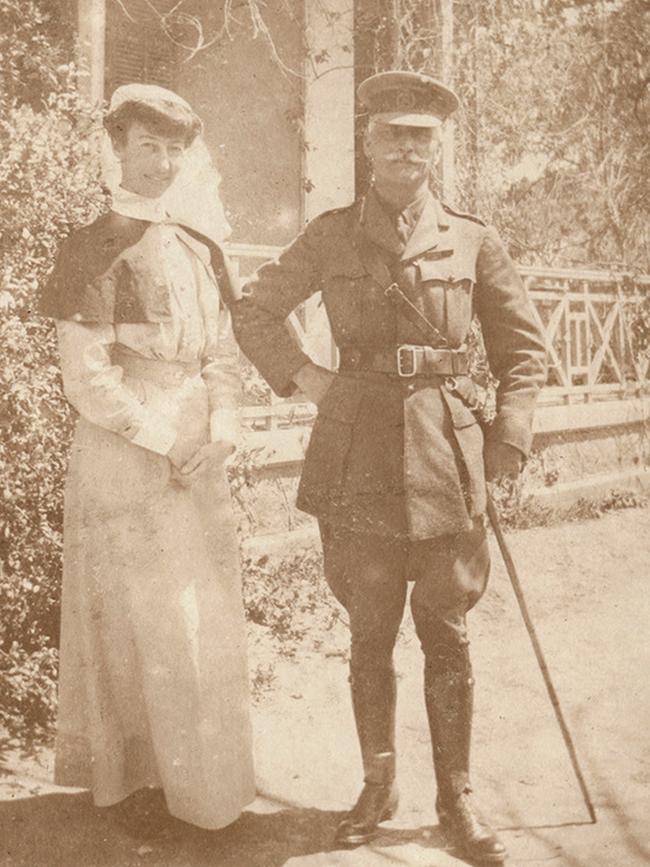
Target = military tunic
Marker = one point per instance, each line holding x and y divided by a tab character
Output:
391	455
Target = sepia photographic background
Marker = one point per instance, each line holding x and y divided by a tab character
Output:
551	146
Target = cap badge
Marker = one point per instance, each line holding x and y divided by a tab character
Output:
405	100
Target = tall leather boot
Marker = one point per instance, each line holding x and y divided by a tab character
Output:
449	699
373	701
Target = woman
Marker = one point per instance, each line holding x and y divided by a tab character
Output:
153	677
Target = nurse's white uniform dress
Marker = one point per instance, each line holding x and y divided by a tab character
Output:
153	674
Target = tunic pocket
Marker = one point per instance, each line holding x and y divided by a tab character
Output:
448	295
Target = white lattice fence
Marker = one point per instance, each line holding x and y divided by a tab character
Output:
586	317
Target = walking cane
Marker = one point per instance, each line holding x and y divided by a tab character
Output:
532	634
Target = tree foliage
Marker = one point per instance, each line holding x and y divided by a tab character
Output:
571	112
553	140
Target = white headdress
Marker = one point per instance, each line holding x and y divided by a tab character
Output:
193	197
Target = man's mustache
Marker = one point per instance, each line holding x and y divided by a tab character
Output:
400	158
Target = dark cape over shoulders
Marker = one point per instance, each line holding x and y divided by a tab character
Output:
95	279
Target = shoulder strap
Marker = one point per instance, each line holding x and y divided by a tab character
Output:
378	269
462	214
415	316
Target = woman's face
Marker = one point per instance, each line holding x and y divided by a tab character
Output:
150	162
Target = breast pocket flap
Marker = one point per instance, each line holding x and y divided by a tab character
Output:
438	274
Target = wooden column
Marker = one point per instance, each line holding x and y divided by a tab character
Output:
91	18
328	162
448	165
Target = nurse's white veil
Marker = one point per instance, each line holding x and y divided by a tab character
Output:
193	198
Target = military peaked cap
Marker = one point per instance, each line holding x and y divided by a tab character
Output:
407	98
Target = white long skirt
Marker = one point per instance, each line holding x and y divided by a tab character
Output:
153	674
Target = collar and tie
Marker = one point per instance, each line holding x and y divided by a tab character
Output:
405	220
405	233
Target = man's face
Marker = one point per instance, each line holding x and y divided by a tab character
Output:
400	154
150	162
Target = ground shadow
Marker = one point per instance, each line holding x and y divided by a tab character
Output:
427	837
59	830
623	839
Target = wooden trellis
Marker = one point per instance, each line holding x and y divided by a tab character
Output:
586	318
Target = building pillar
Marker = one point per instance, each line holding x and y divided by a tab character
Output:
448	149
91	23
328	161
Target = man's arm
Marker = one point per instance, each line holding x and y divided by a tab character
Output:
514	344
259	317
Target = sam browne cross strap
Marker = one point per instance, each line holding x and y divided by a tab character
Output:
431	358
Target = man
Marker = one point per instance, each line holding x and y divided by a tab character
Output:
395	466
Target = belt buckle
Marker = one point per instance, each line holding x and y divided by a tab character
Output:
408	369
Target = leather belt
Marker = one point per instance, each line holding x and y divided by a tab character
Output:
405	360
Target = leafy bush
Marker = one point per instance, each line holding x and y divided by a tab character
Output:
27	690
290	598
289	608
516	510
48	188
519	511
34	43
612	501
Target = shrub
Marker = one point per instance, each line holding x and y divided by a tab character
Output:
290	599
288	608
518	511
27	690
48	188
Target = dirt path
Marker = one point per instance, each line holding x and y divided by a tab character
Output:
587	586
